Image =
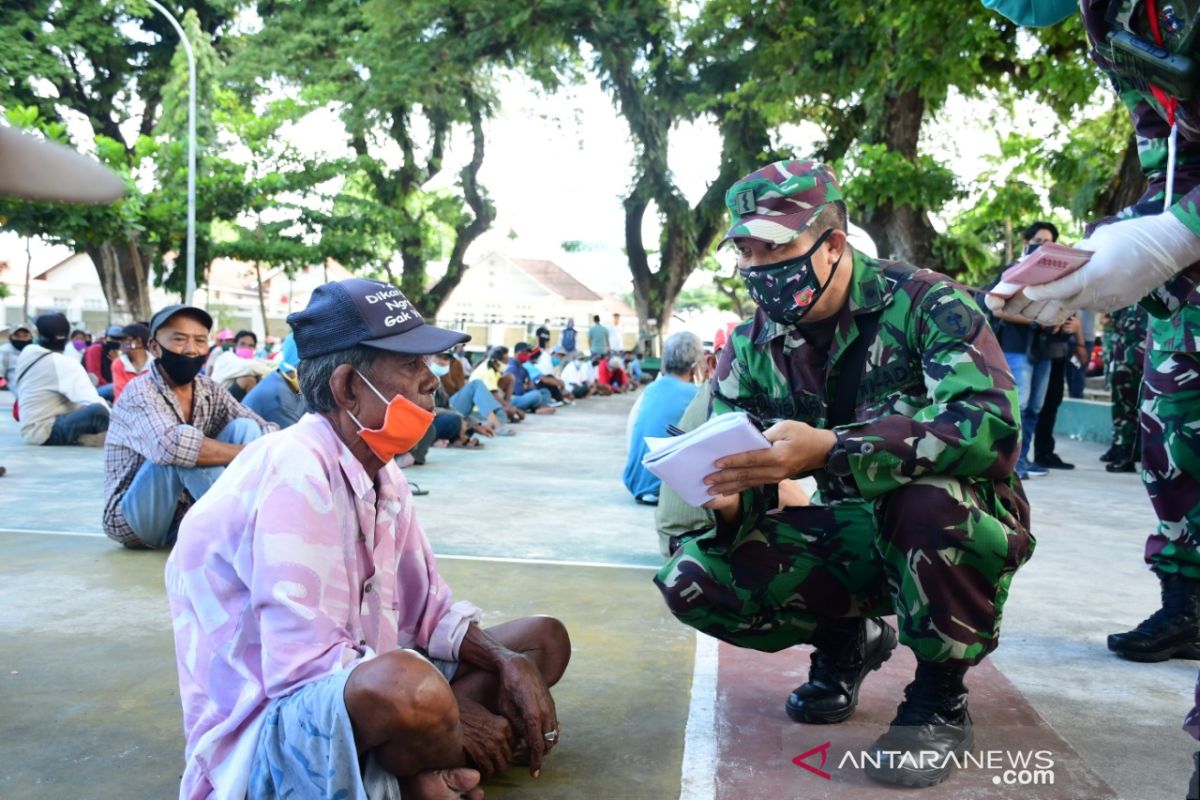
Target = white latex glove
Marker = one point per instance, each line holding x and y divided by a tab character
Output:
1132	258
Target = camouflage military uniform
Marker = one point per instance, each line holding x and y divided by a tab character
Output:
931	524
1127	353
1171	380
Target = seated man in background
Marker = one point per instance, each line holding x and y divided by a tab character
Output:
527	395
543	371
472	399
661	406
172	434
491	372
239	369
98	359
610	372
320	653
59	404
575	377
134	358
19	337
277	397
633	366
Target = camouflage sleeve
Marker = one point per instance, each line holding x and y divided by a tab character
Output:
731	387
971	426
1152	132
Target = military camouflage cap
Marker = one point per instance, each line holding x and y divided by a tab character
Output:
776	203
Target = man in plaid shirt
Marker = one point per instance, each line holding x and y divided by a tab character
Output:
171	434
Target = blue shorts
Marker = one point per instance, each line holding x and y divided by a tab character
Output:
306	748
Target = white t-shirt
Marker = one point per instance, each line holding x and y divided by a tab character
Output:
49	385
614	337
575	373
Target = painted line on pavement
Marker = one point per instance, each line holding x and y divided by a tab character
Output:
546	561
698	780
54	533
447	556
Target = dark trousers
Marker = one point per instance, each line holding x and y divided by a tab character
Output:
1043	434
90	418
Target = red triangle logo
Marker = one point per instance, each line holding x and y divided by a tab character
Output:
823	749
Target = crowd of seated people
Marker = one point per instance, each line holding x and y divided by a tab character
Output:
173	401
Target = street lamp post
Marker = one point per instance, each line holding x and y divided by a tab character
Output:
191	184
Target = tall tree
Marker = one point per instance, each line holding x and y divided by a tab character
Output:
871	75
413	80
660	76
108	62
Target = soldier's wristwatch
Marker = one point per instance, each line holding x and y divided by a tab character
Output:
838	461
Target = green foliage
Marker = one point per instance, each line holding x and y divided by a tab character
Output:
873	175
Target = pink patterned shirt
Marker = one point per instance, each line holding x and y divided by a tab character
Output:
294	566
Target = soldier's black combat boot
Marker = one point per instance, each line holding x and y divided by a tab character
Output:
1122	465
931	732
1194	783
1171	632
1111	454
846	651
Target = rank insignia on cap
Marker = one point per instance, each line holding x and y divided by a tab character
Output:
803	298
744	201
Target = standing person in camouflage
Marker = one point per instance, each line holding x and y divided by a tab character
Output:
1151	255
919	512
1126	358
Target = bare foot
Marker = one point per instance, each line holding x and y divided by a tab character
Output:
545	410
444	784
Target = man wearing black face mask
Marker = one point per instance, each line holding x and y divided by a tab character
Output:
59	405
173	431
18	338
884	383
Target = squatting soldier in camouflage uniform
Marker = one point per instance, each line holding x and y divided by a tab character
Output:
919	512
1127	353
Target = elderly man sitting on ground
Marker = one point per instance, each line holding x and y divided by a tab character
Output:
172	433
660	409
311	624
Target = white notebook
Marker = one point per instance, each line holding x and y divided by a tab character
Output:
683	462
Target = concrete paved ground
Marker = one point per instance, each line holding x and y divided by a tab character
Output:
88	705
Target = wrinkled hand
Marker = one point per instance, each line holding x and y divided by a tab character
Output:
488	739
526	703
796	447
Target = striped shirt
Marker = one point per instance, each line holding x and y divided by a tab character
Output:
147	424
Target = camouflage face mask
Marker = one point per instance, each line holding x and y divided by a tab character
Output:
788	290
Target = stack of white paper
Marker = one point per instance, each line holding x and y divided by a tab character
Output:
684	461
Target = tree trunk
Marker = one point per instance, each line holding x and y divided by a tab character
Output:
483	214
28	276
262	302
1127	185
124	275
903	232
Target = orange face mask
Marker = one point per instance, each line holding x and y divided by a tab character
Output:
404	423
